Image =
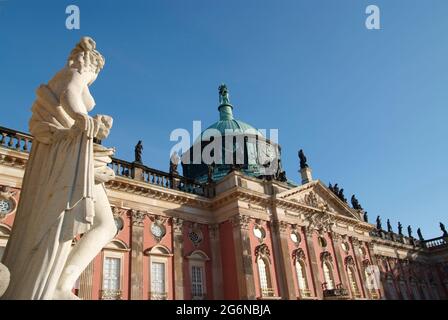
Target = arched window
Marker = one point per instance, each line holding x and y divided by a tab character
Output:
301	278
158	272
328	275
262	255
112	275
265	277
197	261
352	280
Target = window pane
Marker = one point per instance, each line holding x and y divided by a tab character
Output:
328	277
263	276
111	274
158	277
301	274
197	281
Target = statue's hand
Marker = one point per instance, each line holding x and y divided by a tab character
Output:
103	124
84	124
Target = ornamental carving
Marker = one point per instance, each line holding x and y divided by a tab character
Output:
298	254
311	200
117	212
241	222
320	221
177	225
195	235
137	217
326	257
262	251
8	204
349	261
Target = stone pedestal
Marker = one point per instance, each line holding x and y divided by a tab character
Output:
306	175
4	278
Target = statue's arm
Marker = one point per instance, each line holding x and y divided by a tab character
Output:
71	97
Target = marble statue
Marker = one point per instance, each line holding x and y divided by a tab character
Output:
63	193
4	279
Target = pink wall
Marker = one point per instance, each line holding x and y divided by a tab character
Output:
230	281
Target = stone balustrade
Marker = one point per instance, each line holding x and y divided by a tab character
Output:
15	140
436	242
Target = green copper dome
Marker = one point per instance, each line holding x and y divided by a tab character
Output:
242	146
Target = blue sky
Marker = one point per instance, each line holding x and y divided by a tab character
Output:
369	107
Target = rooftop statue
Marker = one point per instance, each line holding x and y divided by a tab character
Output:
138	152
341	195
409	231
303	160
223	94
366	217
420	236
355	203
174	162
400	228
378	223
389	226
63	193
442	227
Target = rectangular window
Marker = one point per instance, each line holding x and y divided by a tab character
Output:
111	274
197	281
158	278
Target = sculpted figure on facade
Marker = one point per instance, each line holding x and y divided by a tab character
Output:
63	193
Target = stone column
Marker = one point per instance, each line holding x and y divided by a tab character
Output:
178	257
358	261
340	264
243	255
216	262
86	282
137	220
314	263
282	260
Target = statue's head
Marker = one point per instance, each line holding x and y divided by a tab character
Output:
85	58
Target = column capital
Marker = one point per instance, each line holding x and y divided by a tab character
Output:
137	217
241	222
178	225
214	230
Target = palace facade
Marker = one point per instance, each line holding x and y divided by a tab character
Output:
238	232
